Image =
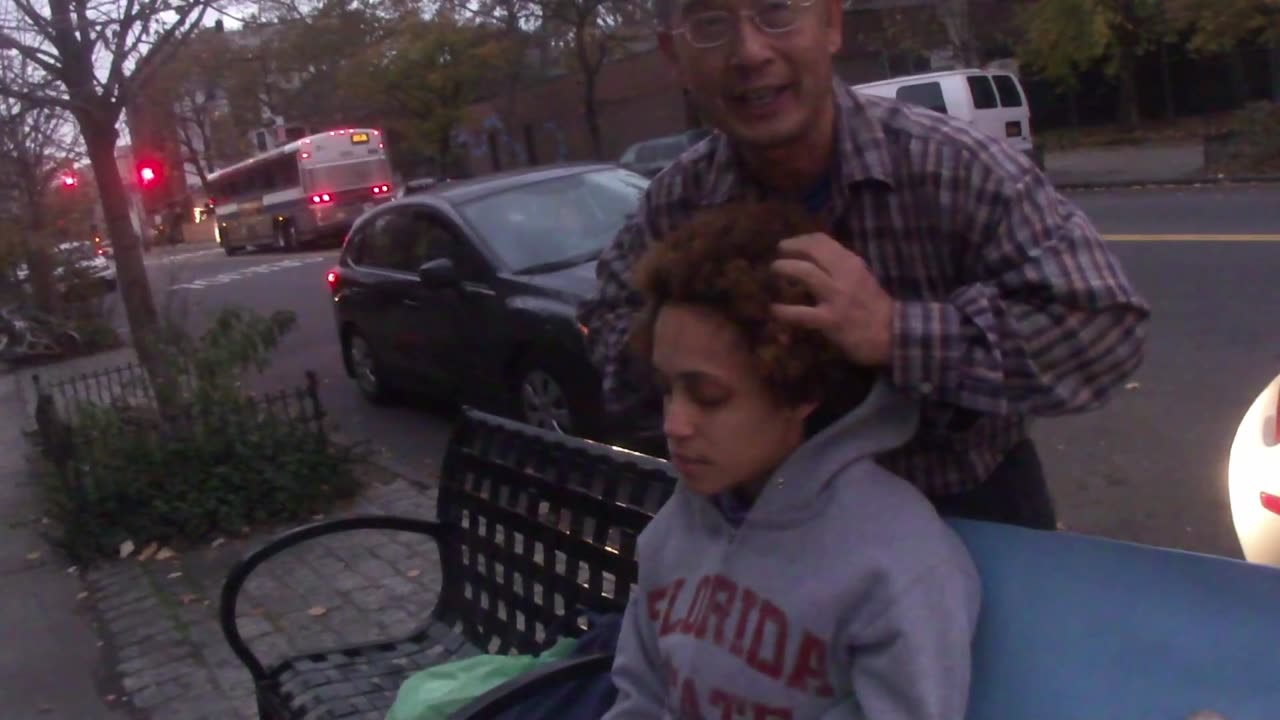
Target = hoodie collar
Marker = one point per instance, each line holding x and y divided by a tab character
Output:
885	420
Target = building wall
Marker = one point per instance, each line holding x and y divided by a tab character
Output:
639	97
545	122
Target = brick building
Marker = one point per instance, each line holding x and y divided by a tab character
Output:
639	97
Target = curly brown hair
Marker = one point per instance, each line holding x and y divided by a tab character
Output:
721	260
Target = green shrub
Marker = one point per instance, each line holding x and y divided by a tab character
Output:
1253	144
224	462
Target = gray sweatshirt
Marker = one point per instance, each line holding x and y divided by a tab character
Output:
842	594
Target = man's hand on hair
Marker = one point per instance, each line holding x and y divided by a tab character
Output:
852	310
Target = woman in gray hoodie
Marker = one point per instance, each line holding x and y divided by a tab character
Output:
790	576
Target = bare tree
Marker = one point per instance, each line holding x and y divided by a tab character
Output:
199	85
587	33
93	57
956	19
35	148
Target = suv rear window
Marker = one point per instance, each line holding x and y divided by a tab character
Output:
1008	89
984	96
928	94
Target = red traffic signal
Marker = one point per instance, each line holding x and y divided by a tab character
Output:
69	180
148	174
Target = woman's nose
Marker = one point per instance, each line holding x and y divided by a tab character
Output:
676	422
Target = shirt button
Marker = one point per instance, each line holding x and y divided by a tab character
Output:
925	388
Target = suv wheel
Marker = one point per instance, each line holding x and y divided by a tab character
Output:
366	368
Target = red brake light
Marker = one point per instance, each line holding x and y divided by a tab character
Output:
332	278
306	155
326	197
1270	502
376	189
315	199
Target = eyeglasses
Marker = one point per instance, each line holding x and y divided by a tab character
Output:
710	28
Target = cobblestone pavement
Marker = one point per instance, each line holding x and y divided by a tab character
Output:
159	616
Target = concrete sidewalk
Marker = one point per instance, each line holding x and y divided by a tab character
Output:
51	659
1136	164
150	622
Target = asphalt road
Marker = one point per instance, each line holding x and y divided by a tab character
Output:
1149	467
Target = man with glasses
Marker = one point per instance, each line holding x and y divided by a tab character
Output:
951	263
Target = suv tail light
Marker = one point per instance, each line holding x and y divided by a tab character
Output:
381	189
321	198
332	279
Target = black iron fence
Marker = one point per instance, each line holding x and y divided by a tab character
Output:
81	415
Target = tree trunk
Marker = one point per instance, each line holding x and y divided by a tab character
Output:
1129	116
135	288
1236	75
593	119
443	144
1273	62
40	262
590	73
1166	82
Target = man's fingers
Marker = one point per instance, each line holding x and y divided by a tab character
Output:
800	315
816	247
813	277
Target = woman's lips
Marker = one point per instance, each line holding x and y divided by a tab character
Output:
685	462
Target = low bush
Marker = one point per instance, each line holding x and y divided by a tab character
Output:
218	462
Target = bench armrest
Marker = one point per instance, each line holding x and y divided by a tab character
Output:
518	689
240	572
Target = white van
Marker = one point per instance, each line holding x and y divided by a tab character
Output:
992	100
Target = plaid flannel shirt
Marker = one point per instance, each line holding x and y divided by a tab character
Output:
1009	305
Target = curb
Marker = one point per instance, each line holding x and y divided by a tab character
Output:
1175	182
419	479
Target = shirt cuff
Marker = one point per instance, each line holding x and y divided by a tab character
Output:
928	341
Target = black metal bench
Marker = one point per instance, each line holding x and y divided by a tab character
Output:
531	527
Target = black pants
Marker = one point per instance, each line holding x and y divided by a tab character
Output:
1015	493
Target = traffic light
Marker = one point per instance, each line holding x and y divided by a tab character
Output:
148	174
69	180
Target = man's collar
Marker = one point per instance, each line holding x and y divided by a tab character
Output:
861	151
861	146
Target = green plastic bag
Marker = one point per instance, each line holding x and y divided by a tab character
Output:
433	693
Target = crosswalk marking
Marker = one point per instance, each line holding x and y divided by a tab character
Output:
241	274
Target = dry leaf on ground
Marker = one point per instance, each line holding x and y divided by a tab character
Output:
414	573
165	554
126	548
147	552
317	611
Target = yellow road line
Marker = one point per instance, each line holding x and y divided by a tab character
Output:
1255	237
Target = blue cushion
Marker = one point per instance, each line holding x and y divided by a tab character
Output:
1081	628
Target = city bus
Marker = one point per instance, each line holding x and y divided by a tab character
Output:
306	191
